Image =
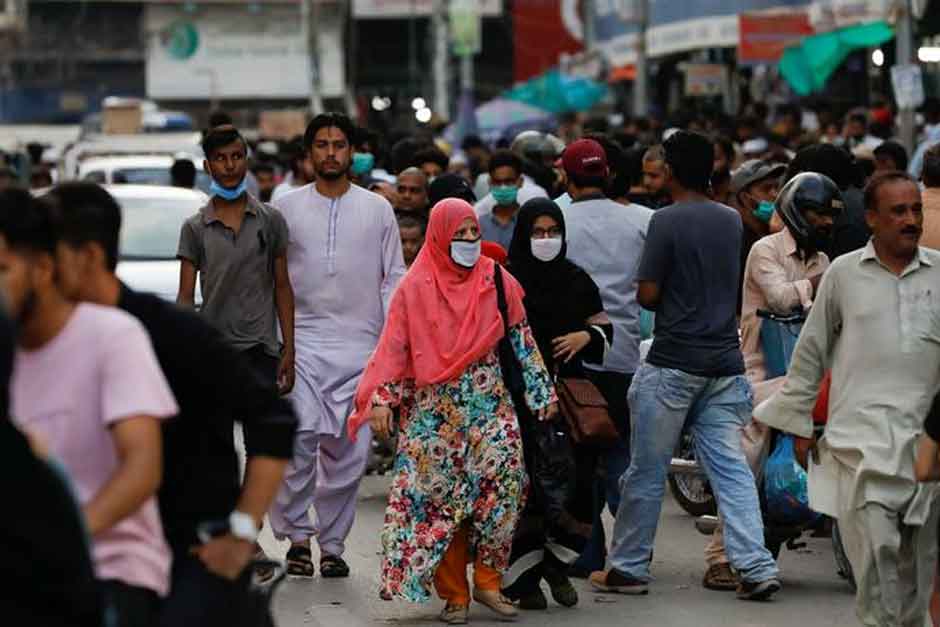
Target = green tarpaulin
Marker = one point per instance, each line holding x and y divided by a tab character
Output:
558	93
809	65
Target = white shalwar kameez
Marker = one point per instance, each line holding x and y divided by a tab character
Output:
344	259
880	335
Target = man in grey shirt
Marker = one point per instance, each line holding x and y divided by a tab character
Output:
238	247
606	239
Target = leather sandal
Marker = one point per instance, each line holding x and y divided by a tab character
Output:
720	577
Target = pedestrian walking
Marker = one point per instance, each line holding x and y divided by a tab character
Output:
874	323
693	375
459	477
564	308
345	261
606	239
215	386
59	588
237	246
101	421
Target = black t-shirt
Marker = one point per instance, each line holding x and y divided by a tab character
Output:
693	253
214	386
43	546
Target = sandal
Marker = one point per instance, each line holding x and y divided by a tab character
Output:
333	567
720	577
263	569
300	562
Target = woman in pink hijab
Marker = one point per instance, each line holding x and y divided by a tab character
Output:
459	481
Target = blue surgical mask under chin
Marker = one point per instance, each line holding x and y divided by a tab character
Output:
466	254
764	211
228	193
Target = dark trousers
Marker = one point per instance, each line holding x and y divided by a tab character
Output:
129	606
610	463
264	364
199	598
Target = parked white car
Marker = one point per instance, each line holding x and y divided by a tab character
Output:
152	217
135	170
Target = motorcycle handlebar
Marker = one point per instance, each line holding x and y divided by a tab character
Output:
790	318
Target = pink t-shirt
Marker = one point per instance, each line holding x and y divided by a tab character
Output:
98	370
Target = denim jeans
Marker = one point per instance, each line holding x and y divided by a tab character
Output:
662	401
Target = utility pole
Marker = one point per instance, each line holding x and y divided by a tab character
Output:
640	104
309	20
590	34
904	39
441	60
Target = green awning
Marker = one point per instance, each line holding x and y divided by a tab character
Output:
558	93
808	66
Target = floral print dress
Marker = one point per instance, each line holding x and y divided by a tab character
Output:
459	461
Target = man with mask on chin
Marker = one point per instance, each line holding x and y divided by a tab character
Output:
782	274
237	246
753	191
344	262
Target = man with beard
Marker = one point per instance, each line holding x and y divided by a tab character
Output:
344	261
654	179
782	274
87	385
237	246
874	323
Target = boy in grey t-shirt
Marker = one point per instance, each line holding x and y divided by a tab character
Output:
237	246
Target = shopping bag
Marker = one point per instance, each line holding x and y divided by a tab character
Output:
785	486
777	340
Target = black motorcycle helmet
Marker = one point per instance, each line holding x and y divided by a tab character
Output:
809	191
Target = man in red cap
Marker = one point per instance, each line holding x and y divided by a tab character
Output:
606	239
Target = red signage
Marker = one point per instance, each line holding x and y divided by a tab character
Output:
764	36
540	36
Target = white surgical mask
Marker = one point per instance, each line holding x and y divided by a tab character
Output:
465	254
546	248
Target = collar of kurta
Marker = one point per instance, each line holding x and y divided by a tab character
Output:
922	259
209	216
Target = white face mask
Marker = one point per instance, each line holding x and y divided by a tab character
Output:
465	254
546	249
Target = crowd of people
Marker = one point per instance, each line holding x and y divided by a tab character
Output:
482	309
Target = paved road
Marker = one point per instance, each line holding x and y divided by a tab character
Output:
813	594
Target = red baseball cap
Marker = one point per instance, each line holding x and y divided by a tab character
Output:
585	158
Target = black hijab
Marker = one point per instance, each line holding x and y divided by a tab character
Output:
559	295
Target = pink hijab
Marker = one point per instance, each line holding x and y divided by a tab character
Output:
442	318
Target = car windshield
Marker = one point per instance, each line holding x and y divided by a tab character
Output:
155	176
142	176
150	227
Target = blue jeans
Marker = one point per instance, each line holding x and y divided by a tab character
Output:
662	401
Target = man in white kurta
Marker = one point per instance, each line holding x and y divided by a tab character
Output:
345	260
876	323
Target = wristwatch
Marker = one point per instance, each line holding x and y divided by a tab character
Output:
242	526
